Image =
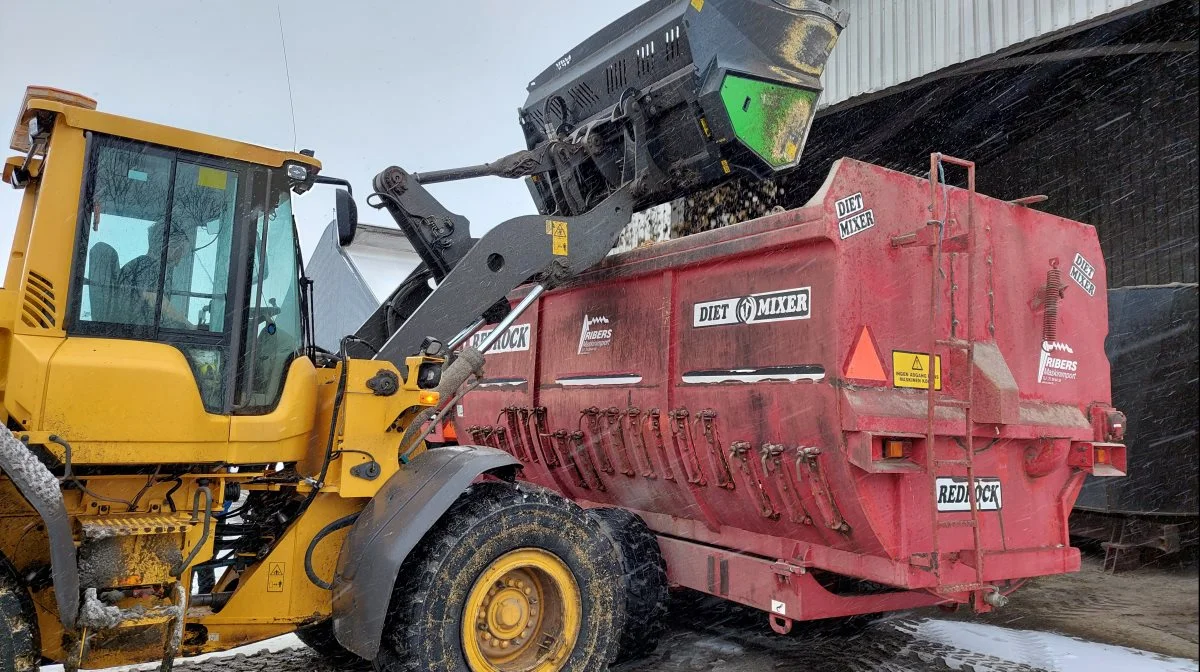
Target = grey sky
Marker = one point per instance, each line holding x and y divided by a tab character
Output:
423	85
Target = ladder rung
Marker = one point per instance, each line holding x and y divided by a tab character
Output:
952	403
954	343
953	463
956	523
962	587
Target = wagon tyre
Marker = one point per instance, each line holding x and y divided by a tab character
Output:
644	576
320	638
513	578
20	646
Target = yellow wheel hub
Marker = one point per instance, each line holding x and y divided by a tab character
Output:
522	615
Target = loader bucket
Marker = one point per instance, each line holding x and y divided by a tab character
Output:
727	86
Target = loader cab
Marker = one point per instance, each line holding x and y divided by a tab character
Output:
166	266
184	249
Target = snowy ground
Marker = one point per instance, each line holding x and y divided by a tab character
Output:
894	645
1152	611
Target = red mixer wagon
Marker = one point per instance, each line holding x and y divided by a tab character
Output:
760	396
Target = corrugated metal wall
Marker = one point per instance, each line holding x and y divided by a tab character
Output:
889	42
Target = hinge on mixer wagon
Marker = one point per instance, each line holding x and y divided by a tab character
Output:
785	569
927	236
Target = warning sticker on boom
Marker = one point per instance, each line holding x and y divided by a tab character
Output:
558	237
911	369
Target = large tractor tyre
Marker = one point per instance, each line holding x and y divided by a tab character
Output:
20	646
644	576
513	578
320	638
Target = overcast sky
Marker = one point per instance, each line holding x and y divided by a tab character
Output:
422	85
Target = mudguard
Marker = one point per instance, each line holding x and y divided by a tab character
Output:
390	526
35	482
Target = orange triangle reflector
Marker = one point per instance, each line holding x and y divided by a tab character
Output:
864	359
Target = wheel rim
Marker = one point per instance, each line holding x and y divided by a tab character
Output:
522	615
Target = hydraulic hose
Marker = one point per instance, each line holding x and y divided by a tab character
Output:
333	421
69	475
329	529
207	494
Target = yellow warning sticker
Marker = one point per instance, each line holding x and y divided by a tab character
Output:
725	166
275	575
558	237
698	4
212	178
911	369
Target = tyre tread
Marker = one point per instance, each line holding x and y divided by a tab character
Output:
320	638
645	577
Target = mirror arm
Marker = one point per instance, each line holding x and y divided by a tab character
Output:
324	179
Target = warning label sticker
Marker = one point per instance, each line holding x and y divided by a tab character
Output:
275	576
558	237
911	369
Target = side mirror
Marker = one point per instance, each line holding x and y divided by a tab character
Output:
347	217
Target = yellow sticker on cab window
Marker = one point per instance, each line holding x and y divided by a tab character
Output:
558	237
911	369
212	178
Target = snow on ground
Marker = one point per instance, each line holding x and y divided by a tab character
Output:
276	644
932	645
1045	650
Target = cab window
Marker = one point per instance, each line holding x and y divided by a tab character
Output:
156	235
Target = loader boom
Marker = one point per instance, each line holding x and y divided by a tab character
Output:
671	98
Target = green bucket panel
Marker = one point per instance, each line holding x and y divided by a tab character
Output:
770	119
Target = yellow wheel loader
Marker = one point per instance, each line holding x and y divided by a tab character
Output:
186	472
182	466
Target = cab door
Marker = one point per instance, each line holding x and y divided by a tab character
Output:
275	395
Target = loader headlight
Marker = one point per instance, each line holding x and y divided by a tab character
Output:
297	172
429	375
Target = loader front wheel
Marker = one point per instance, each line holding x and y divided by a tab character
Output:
513	578
19	644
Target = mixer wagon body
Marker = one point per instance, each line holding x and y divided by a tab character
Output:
758	394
